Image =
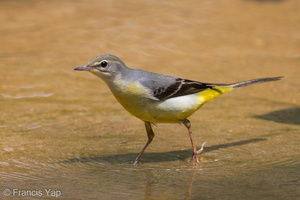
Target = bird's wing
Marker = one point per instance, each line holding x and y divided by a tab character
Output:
163	87
181	87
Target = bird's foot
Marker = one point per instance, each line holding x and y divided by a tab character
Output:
201	149
194	159
136	162
195	153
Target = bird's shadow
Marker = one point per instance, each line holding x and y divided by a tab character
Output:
286	116
157	156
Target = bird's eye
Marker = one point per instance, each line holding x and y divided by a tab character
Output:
103	63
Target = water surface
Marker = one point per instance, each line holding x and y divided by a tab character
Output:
64	135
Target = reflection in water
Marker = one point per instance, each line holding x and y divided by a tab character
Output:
179	181
151	191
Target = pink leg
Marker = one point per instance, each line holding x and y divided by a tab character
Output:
187	124
150	135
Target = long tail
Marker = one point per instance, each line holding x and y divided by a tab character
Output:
254	81
219	89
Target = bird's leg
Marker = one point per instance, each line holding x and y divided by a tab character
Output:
150	135
187	124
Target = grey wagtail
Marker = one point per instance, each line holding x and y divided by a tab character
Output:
156	98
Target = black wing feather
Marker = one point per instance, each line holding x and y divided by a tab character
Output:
182	87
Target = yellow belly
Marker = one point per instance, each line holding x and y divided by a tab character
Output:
136	99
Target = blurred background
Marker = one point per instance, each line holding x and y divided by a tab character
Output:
62	129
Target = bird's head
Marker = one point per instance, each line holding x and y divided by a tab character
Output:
104	66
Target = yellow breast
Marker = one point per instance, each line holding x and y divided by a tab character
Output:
137	100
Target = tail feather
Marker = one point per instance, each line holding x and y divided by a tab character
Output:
219	89
254	81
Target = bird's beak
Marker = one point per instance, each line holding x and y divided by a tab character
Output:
83	68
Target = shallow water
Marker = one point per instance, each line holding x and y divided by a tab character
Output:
63	134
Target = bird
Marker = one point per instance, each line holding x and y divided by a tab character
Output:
157	98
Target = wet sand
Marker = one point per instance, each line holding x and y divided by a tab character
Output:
63	130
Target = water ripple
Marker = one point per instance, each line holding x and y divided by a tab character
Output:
26	96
